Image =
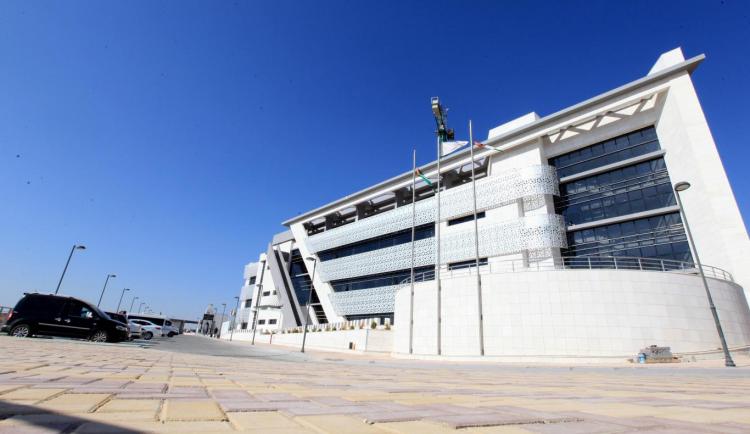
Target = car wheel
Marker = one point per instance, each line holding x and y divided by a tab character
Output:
21	331
171	334
99	336
148	335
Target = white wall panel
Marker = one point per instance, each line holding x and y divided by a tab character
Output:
365	301
493	191
575	313
531	232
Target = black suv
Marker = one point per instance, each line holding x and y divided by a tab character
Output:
56	315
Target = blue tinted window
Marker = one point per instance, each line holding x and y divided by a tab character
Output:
301	281
384	279
640	187
394	239
661	237
608	152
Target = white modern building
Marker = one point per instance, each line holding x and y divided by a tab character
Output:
582	248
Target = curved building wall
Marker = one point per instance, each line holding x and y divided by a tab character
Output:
572	313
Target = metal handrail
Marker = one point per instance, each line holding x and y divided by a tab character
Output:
577	263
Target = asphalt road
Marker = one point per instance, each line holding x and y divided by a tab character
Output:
191	344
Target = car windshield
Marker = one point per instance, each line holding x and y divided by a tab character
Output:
116	317
101	313
142	322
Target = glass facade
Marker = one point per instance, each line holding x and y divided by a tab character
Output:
302	283
660	237
393	239
384	279
641	187
610	151
464	219
467	264
620	192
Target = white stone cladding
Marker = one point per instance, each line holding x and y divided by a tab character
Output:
572	313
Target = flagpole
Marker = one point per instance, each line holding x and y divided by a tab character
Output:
480	310
437	245
413	233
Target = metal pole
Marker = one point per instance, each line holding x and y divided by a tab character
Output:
727	356
140	307
309	298
234	319
480	310
223	310
132	302
120	302
437	246
413	235
259	285
105	287
66	268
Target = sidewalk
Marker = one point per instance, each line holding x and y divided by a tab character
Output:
67	386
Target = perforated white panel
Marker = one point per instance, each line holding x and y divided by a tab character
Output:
365	301
492	192
530	232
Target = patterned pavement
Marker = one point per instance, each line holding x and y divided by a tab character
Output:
78	387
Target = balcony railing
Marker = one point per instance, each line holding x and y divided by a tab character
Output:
578	263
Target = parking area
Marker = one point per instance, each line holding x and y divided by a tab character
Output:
141	343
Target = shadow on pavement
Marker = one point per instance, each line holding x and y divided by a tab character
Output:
35	419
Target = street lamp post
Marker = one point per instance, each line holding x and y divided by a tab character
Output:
132	302
255	312
224	309
679	187
234	318
259	287
120	302
105	288
140	307
75	247
309	300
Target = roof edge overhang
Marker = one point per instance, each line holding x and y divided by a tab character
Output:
688	65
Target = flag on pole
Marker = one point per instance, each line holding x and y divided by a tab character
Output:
481	145
450	147
424	178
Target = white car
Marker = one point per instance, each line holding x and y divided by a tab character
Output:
148	329
169	329
135	331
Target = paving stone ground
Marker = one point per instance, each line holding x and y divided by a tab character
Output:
58	386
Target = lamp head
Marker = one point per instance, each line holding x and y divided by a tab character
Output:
681	186
113	275
126	289
80	247
311	258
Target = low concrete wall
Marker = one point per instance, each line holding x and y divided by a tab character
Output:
571	314
364	340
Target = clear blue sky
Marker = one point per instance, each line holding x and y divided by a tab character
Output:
173	138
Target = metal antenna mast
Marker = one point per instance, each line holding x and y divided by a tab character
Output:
444	134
